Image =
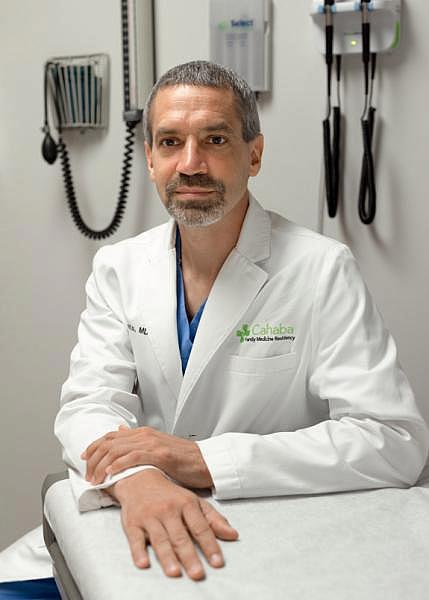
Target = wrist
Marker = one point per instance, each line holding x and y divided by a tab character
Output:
119	490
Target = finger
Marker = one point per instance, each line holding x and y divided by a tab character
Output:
111	435
131	459
218	522
107	452
183	546
86	454
161	545
99	470
137	543
202	533
94	461
116	451
95	445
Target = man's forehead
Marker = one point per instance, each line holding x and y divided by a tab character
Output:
172	101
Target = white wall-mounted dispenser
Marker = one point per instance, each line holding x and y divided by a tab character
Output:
240	38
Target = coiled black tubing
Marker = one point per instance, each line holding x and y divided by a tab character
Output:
367	189
123	188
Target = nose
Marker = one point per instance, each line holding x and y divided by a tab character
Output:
191	160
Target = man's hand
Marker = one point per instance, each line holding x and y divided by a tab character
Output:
119	450
171	519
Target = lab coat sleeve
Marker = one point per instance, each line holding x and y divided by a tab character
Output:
98	394
375	436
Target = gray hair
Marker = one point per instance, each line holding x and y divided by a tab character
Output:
202	73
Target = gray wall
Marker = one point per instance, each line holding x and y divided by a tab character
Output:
45	261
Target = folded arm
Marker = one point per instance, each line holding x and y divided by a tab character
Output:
98	395
374	436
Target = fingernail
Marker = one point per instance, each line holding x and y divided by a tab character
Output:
195	571
216	560
143	562
173	569
109	470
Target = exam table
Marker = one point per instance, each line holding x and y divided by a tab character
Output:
371	545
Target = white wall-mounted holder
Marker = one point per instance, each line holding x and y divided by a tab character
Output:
385	18
240	38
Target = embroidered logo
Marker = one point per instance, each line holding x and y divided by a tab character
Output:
265	332
243	333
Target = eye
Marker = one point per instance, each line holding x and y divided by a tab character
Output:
217	140
168	142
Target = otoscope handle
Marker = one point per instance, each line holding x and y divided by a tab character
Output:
328	163
366	42
336	151
329	35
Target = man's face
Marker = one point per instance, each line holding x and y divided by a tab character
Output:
199	160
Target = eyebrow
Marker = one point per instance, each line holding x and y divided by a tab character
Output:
221	126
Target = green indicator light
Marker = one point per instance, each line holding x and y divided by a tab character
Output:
353	43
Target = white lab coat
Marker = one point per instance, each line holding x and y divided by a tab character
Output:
317	404
312	400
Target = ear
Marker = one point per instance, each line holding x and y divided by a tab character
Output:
256	150
149	162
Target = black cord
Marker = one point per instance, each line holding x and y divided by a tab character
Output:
123	189
336	143
367	191
331	149
50	148
367	204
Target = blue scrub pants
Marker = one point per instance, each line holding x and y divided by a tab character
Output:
35	589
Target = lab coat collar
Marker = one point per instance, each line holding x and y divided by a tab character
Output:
234	289
158	305
255	236
254	241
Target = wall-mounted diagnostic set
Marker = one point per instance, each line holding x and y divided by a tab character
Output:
345	27
78	90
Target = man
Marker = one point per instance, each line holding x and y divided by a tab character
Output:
227	349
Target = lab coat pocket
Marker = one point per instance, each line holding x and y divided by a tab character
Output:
252	394
261	366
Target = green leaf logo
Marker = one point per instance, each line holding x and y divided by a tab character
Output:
243	333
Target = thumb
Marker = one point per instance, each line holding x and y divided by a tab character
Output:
123	427
219	524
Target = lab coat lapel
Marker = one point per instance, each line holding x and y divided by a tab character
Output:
233	291
159	307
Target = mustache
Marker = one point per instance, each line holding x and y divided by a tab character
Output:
200	180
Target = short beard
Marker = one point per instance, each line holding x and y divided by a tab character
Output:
196	213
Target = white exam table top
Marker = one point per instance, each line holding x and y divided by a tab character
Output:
356	545
350	545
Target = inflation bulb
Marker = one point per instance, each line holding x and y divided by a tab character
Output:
49	148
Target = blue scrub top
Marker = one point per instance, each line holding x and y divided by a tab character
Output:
35	589
186	331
